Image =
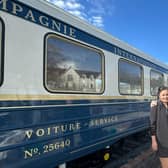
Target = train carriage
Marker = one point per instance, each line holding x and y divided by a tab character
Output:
67	89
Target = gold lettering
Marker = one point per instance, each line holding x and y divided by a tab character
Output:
56	129
16	8
115	118
28	154
30	16
96	122
123	53
4	3
102	121
105	120
115	50
44	20
40	132
63	128
53	130
91	123
48	131
65	29
78	126
119	52
42	149
29	133
72	32
72	127
56	26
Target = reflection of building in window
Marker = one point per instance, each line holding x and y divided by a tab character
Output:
71	66
130	78
125	88
98	83
91	82
156	80
70	82
70	77
83	82
76	80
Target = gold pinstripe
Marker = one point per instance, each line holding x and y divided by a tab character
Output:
69	97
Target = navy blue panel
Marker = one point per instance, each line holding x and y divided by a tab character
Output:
64	131
42	112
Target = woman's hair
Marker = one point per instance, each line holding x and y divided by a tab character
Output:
161	88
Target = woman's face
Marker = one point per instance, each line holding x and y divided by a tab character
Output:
163	96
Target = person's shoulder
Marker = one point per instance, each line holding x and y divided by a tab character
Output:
154	106
154	103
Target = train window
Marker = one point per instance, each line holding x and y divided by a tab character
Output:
156	80
130	78
72	67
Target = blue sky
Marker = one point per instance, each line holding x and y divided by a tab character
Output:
141	23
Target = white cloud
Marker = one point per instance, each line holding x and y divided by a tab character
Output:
97	21
97	8
92	11
67	64
72	6
59	3
67	4
78	14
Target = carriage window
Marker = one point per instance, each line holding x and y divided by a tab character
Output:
156	80
1	62
72	67
130	78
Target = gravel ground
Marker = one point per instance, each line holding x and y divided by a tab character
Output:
146	159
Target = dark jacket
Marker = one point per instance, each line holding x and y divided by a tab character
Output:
159	123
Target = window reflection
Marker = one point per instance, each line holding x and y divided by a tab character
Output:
72	67
156	80
130	78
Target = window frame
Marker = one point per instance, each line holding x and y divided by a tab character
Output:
77	43
142	77
2	46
